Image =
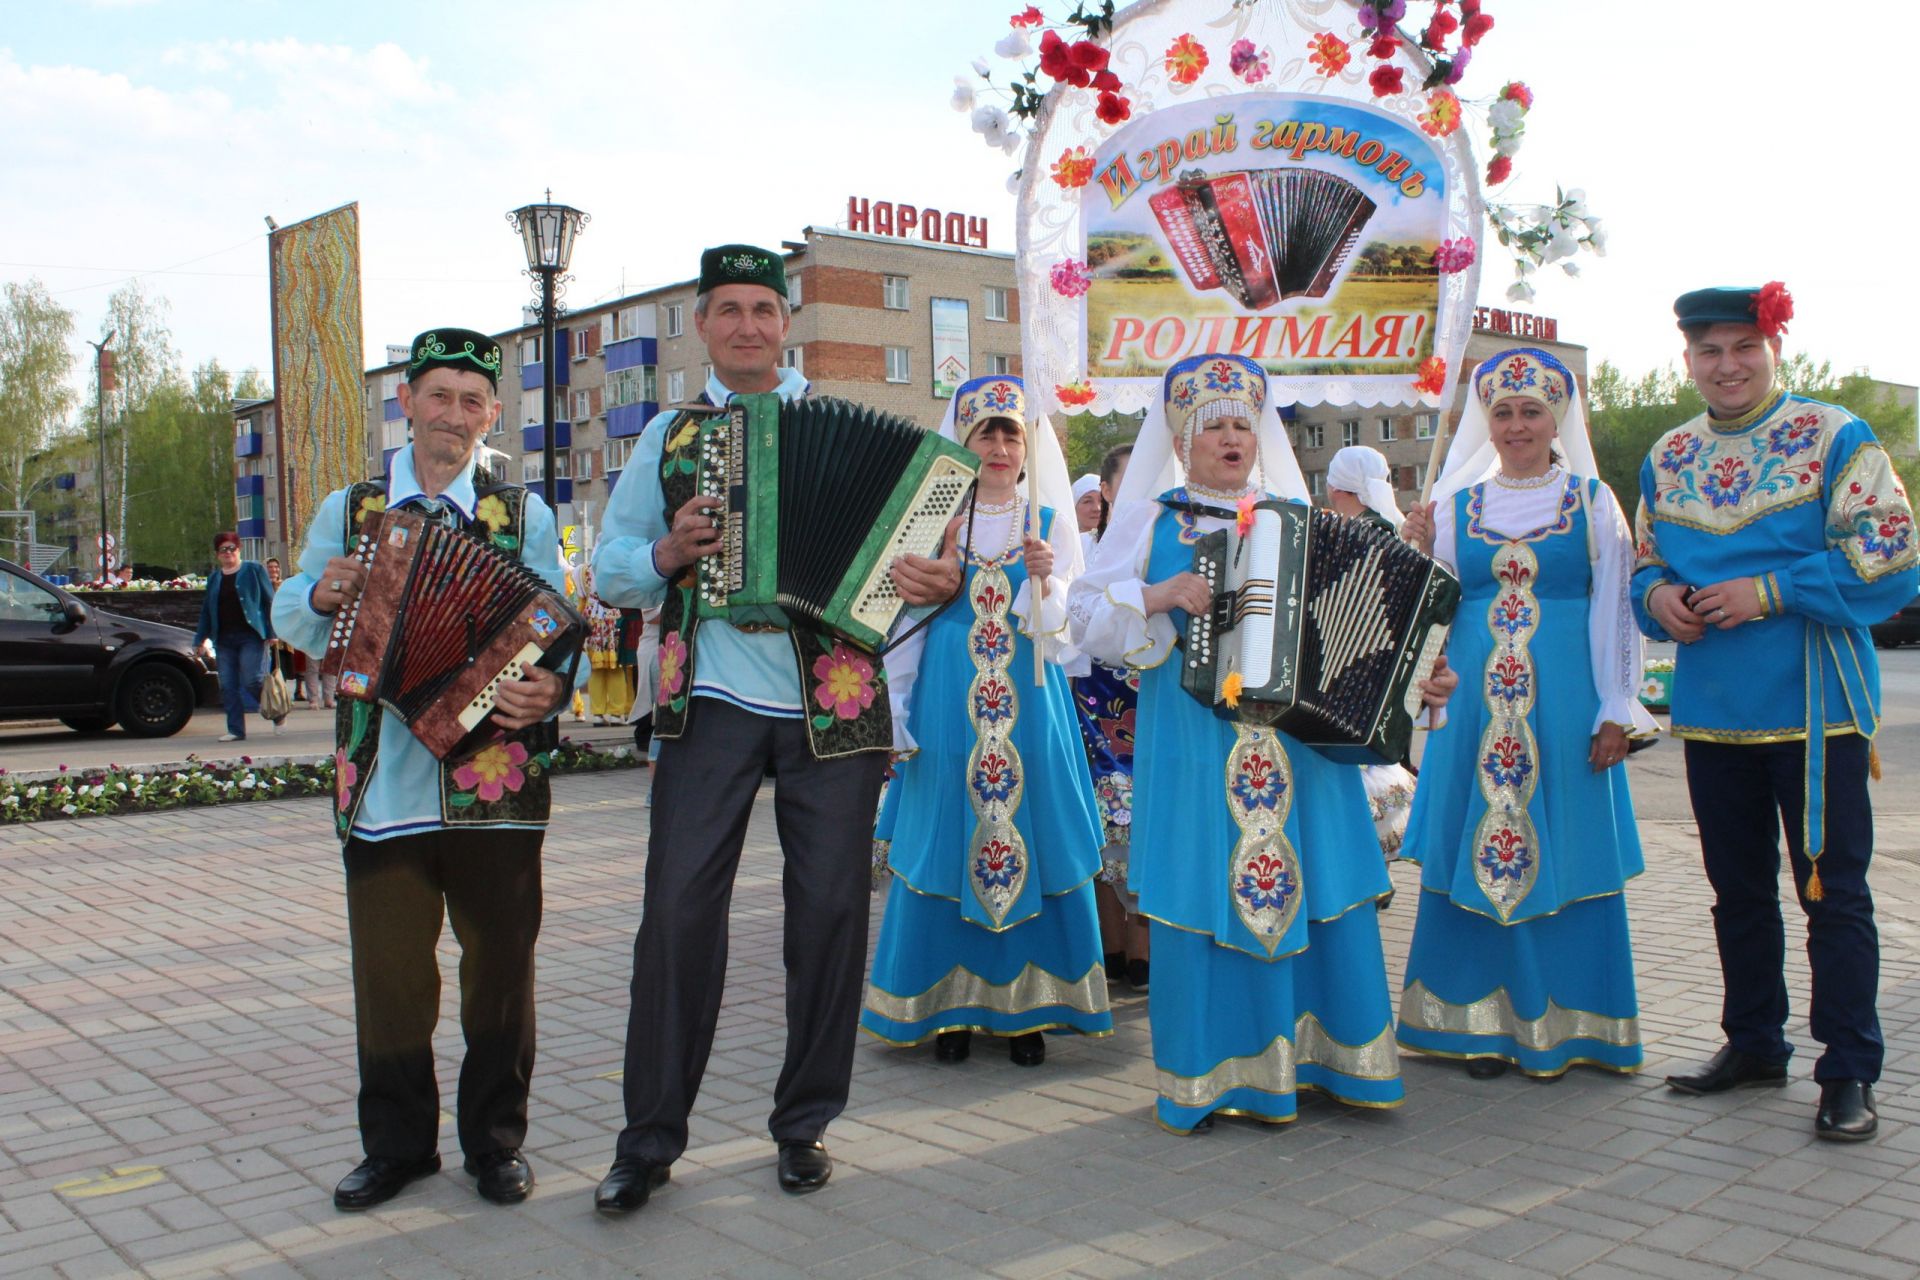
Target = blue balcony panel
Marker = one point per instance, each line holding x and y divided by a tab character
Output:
390	410
629	419
533	438
249	486
613	478
64	481
386	459
253	528
630	353
248	445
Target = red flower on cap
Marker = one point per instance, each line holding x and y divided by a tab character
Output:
1772	308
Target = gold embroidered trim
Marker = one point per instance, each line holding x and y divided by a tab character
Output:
1274	1068
1748	737
1264	879
1870	515
997	861
1034	988
1774	398
1493	1015
1506	848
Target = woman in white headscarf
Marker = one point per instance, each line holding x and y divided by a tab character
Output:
1268	976
1359	486
989	823
1522	822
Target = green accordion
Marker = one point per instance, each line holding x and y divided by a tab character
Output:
1322	627
819	497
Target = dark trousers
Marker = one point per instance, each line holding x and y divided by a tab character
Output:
703	791
1742	795
488	883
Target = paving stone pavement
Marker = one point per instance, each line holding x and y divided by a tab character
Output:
176	1099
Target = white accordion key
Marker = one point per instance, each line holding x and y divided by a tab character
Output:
483	701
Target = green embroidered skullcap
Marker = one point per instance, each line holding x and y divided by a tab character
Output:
462	349
742	264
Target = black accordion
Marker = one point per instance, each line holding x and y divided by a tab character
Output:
1263	235
820	496
440	622
1321	626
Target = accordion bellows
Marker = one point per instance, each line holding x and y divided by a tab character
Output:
820	496
1263	235
1329	624
441	621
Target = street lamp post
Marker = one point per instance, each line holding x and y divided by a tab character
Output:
102	371
548	231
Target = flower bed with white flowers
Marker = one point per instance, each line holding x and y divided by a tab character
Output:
69	793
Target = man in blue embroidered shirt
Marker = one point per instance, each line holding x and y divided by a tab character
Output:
422	835
732	700
1772	531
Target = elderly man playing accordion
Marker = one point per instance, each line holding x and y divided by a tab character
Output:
423	835
1268	976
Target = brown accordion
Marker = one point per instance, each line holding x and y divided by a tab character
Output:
442	620
1263	235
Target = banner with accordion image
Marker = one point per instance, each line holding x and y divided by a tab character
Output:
1311	256
314	273
1249	204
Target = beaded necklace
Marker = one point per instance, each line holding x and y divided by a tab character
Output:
1015	527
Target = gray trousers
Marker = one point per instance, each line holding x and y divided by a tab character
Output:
703	790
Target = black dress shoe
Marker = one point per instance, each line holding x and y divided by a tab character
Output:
378	1179
1029	1050
1486	1068
1730	1069
1846	1111
1115	963
953	1046
804	1166
628	1184
1137	972
505	1176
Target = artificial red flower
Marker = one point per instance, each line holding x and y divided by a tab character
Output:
1386	80
1030	18
1112	108
1498	170
1772	308
1477	25
1104	81
1518	92
1053	55
1088	56
1443	25
1074	168
1074	394
1186	59
1384	45
1433	377
1469	7
1328	53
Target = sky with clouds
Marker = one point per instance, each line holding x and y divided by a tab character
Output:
1721	143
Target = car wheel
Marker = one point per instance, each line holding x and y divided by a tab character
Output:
87	724
154	701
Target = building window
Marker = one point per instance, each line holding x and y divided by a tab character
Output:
893	294
899	366
617	452
583	464
1420	478
1000	364
793	292
533	467
1386	431
630	386
997	308
792	359
1315	434
1424	427
529	350
676	322
582	343
626	324
273	509
1317	483
1349	433
677	386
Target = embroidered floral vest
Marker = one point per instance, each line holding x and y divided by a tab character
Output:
505	781
844	686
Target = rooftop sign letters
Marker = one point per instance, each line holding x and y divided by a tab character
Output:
909	222
1518	323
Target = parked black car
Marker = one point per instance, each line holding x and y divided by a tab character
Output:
1902	628
61	658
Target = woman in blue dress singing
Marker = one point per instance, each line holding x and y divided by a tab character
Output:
1254	856
990	824
1522	822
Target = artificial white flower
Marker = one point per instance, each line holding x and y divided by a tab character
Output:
980	67
1596	237
1520	291
1507	144
1013	45
1571	267
991	123
962	99
1013	182
1574	204
1505	115
1563	245
1012	141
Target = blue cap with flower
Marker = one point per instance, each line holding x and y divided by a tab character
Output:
1528	372
998	395
1201	388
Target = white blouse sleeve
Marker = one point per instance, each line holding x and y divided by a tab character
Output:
1105	606
1613	639
902	663
1051	633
